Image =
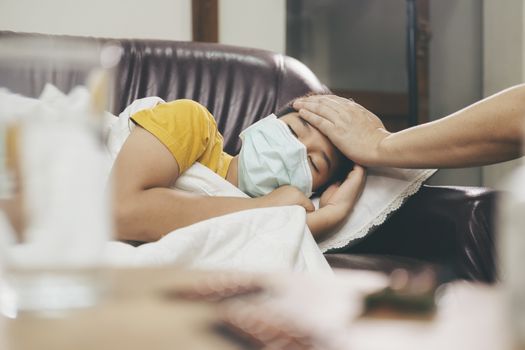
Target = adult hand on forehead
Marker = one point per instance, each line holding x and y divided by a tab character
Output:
354	130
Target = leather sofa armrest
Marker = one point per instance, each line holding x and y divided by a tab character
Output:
445	225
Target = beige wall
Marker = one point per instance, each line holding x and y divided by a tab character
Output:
253	23
159	19
504	62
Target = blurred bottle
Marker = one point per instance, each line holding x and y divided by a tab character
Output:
60	166
5	190
10	197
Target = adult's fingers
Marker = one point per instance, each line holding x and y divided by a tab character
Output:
320	98
342	100
335	108
313	98
321	108
323	125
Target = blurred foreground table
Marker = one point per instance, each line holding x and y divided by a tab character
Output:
140	312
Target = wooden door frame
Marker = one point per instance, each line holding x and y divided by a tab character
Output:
205	20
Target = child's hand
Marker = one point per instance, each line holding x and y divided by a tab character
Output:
342	197
286	195
336	203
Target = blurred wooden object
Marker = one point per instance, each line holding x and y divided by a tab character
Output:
136	315
141	312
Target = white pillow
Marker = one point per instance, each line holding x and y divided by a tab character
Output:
385	191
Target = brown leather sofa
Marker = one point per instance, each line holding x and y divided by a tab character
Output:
449	227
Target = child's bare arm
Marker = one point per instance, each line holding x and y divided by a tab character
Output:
336	203
146	208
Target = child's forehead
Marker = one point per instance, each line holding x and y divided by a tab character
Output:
314	133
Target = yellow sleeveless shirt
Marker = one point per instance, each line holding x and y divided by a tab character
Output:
190	133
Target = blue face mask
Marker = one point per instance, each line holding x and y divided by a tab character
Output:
271	156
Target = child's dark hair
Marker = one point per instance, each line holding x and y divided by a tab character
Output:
288	107
345	165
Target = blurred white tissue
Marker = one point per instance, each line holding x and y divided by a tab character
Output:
63	175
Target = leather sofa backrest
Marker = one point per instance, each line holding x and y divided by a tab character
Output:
238	85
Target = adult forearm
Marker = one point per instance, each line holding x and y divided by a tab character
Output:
486	132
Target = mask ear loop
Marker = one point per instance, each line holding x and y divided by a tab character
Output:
260	123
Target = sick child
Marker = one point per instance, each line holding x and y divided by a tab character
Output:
283	160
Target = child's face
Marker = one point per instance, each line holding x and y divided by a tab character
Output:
323	157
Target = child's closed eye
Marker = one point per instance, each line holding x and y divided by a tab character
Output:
305	123
292	131
313	164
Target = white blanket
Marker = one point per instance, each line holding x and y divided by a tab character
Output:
266	239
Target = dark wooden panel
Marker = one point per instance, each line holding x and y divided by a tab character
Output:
423	41
205	16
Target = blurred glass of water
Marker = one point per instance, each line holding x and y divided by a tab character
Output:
55	218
